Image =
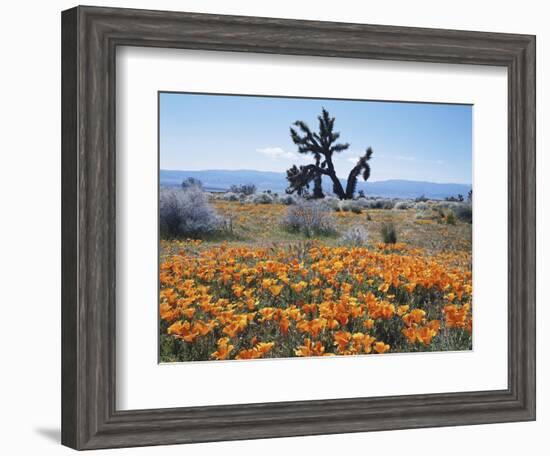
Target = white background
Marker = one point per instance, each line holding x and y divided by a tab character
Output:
30	241
142	382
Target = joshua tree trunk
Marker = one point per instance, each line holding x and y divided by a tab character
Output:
336	184
318	182
318	189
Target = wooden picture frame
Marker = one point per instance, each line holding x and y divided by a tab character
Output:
90	36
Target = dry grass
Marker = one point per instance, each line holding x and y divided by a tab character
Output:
259	224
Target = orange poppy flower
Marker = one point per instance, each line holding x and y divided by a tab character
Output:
381	347
224	349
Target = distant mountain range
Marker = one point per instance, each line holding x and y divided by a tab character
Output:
222	180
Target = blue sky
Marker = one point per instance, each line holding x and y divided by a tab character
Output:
414	141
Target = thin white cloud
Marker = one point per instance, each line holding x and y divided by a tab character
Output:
276	153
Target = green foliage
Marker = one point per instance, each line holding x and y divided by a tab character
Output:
389	233
463	212
450	219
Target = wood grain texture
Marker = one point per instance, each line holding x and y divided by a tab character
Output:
89	39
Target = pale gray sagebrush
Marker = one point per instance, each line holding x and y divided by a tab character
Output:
356	236
309	218
186	213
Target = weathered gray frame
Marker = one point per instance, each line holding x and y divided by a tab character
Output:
90	36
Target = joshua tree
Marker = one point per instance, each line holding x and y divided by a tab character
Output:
322	146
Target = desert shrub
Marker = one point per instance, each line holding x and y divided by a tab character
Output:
309	218
421	206
288	200
186	213
427	215
245	189
356	236
381	204
420	215
261	198
463	212
450	219
331	202
191	182
457	198
351	206
445	205
362	202
231	196
389	234
403	205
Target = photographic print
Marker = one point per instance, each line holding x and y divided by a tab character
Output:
298	227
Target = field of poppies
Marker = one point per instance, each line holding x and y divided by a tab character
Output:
261	291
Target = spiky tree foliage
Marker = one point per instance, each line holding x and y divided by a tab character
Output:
322	145
299	179
361	168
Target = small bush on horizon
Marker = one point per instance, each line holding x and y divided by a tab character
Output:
231	196
191	182
380	203
402	205
245	189
261	198
421	199
389	234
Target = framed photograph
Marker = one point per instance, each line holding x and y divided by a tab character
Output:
280	228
